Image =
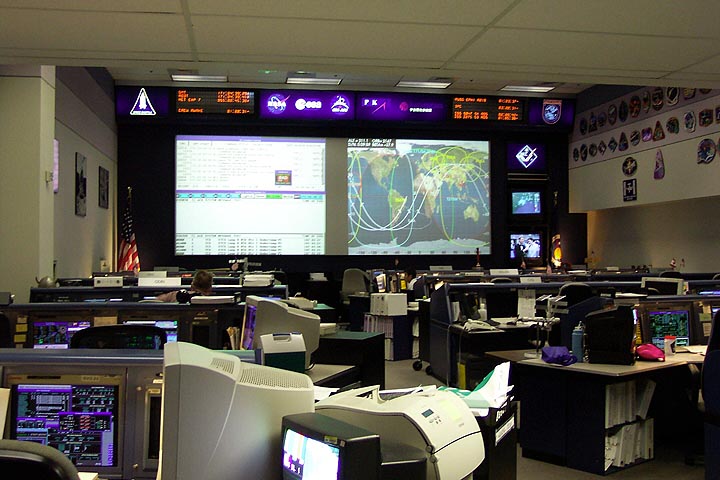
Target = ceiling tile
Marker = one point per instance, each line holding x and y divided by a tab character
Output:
687	18
457	12
585	50
77	31
95	5
311	38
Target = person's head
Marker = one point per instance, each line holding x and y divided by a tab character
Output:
202	282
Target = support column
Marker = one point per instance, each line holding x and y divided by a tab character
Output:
27	130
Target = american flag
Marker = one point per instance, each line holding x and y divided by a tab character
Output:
128	259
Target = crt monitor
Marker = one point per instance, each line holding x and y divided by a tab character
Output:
531	244
79	414
526	202
318	446
664	285
232	428
675	322
275	316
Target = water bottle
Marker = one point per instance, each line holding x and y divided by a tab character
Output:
577	341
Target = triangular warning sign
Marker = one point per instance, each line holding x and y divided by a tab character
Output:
142	105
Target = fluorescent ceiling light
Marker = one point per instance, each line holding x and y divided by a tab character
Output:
404	84
313	81
184	77
526	88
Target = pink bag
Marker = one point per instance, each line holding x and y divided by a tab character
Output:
648	351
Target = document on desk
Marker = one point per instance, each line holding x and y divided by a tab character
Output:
88	475
4	404
526	303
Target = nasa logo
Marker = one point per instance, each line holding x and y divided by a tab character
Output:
276	103
551	111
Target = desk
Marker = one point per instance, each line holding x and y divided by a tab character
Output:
563	409
364	349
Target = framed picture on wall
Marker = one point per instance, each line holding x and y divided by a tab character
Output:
80	184
103	187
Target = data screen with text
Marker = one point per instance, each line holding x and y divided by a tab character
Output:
249	195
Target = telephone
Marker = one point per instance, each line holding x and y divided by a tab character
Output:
301	303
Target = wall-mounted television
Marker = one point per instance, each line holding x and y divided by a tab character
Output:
532	244
526	202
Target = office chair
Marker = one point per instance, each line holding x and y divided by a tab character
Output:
25	460
711	397
354	281
5	334
670	274
146	337
501	280
575	292
716	276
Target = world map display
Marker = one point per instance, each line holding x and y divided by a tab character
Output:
418	197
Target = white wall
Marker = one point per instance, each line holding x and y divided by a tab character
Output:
653	235
27	110
85	124
672	217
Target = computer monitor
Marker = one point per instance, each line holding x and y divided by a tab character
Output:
526	203
318	446
222	418
668	322
55	334
531	243
79	414
274	316
169	326
664	285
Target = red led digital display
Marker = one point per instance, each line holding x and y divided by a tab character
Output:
214	102
503	109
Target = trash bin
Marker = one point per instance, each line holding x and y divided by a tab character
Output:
499	434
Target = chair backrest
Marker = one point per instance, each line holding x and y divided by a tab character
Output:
575	292
5	335
714	339
146	337
26	460
354	280
670	274
501	280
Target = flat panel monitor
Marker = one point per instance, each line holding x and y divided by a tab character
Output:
315	446
664	285
169	326
669	322
55	334
78	414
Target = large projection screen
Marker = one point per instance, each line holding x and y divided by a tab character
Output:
418	197
249	195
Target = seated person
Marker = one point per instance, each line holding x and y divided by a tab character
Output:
201	285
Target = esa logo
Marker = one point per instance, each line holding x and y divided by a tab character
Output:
302	104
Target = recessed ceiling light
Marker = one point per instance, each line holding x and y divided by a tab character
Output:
313	81
411	84
180	77
526	88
